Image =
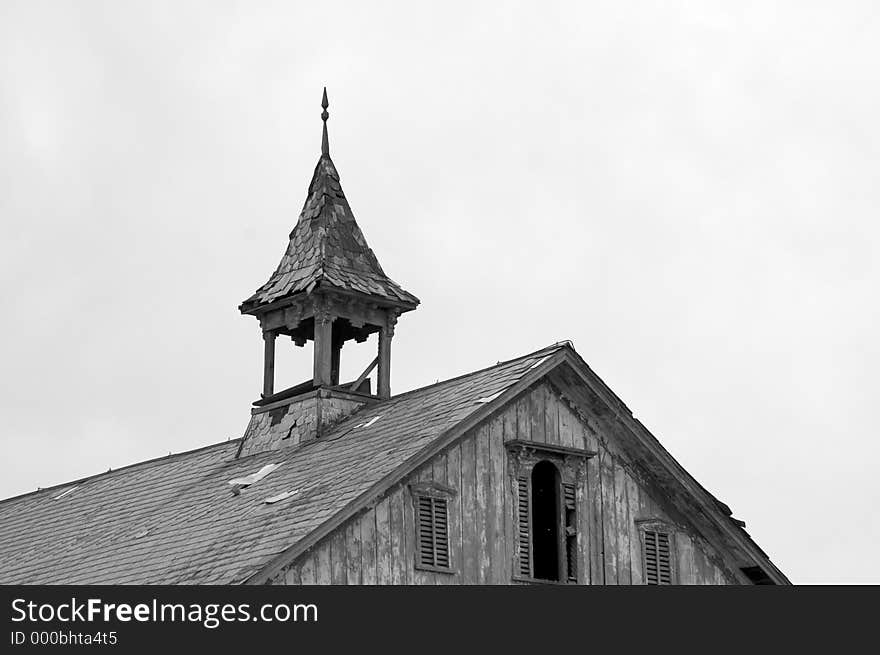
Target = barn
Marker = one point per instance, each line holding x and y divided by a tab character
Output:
529	471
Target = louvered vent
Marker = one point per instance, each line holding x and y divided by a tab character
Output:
570	493
658	565
433	529
522	527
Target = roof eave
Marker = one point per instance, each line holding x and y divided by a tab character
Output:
257	309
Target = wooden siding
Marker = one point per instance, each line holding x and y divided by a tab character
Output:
376	547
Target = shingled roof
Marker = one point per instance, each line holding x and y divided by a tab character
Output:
175	519
328	249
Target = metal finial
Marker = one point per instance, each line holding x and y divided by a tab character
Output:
325	142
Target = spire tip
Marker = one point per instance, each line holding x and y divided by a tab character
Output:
325	141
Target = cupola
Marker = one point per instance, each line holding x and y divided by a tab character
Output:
328	289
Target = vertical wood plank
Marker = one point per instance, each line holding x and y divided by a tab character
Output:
469	537
508	423
453	480
439	468
589	436
596	537
398	548
483	510
409	531
383	542
498	557
523	418
292	575
700	565
633	498
582	507
609	518
579	436
323	575
509	429
566	426
621	510
369	558
685	558
338	565
551	415
307	570
709	568
536	414
647	507
353	551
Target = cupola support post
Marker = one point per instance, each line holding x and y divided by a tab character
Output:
386	333
268	363
323	376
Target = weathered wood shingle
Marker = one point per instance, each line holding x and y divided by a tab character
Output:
327	248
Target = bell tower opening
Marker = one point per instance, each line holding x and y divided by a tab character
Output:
329	320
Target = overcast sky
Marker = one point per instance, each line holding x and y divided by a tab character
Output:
686	190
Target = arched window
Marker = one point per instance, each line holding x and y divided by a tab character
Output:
545	499
545	520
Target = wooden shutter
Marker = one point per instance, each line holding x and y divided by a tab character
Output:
569	492
658	563
523	527
433	532
441	533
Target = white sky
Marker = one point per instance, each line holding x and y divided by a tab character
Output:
687	190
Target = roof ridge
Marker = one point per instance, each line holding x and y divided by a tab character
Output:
169	456
556	346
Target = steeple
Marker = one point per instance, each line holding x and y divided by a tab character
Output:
329	287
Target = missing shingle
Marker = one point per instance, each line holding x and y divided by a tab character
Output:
142	533
539	362
280	497
277	415
247	480
289	432
369	423
489	399
66	492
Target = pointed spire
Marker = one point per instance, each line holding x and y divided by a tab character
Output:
327	248
325	142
